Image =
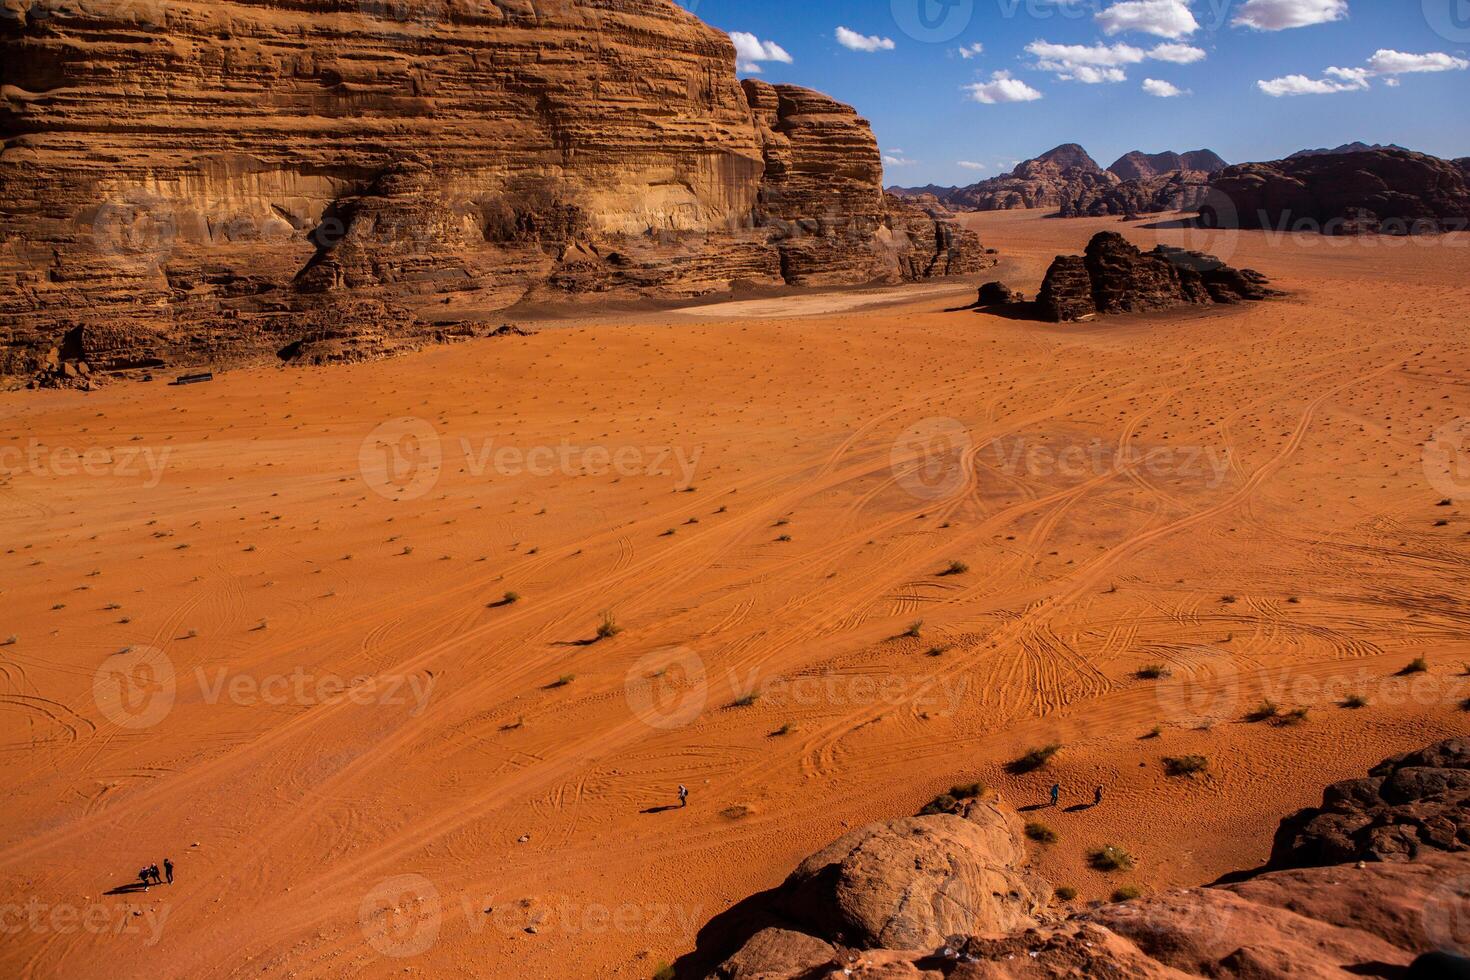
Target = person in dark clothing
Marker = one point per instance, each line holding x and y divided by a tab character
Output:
1056	791
143	877
683	795
1097	796
168	870
154	874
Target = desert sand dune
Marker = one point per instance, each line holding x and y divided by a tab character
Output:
849	557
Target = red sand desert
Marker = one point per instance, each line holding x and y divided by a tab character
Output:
261	626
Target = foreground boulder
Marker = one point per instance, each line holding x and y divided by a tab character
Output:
1387	191
1114	276
216	173
910	883
1407	806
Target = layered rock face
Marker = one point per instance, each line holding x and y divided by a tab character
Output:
1400	918
1114	276
1136	165
1386	191
201	175
1047	181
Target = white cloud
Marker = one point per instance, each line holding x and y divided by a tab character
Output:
1161	89
1002	88
898	161
972	50
853	41
1302	85
1097	63
1179	54
750	49
1385	64
1279	15
970	165
1164	18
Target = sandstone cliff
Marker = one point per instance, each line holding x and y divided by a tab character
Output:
200	176
1177	190
874	903
1389	191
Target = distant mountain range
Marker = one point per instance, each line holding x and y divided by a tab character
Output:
1346	148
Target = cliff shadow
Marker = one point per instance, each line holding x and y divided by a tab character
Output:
726	933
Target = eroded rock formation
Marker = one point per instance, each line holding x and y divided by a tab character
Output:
1058	175
1114	276
1408	805
203	176
1178	190
1400	918
1136	165
1388	191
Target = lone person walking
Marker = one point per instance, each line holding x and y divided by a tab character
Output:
683	795
1097	796
1056	791
168	870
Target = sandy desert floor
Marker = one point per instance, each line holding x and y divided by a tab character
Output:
261	626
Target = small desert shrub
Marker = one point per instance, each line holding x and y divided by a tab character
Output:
1111	858
1416	666
783	730
955	568
563	680
967	791
510	598
1041	833
1293	717
1152	672
1185	765
1034	759
1354	701
608	628
915	628
745	700
784	537
1264	711
1066	893
11	640
1126	894
1154	732
934	652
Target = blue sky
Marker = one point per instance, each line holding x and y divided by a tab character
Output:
1059	71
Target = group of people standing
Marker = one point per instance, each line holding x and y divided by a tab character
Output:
151	876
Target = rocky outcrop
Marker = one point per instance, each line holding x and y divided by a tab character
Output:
1398	919
207	176
1137	165
1056	176
1383	191
1407	806
1179	190
910	883
1114	276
